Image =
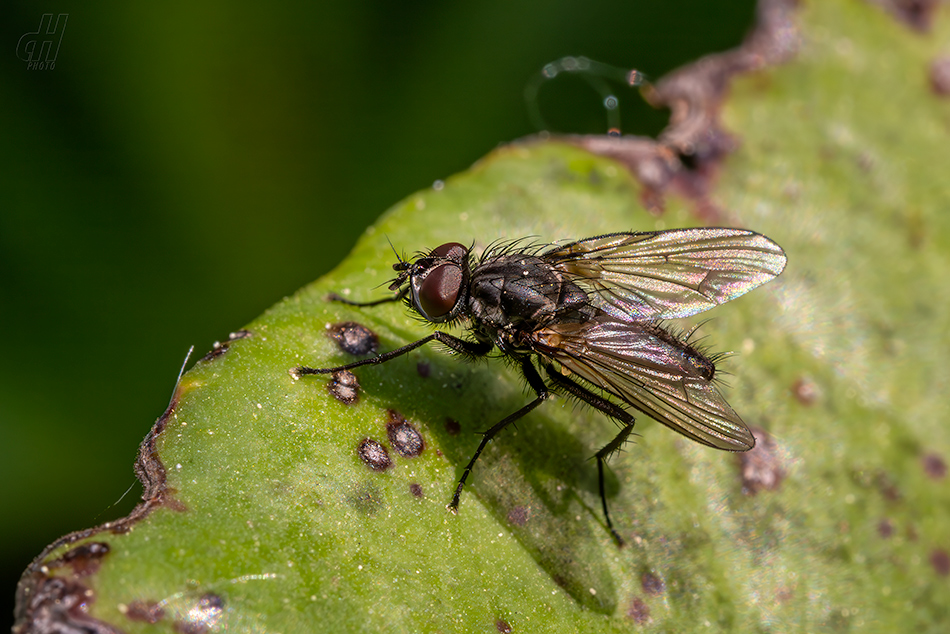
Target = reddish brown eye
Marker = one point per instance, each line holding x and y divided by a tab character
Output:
440	290
450	250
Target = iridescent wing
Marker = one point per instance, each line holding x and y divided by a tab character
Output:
632	361
668	274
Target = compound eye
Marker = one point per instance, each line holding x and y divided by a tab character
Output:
450	251
440	290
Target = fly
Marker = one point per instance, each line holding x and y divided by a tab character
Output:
584	319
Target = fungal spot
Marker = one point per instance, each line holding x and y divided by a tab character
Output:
423	369
452	427
344	387
652	584
85	559
219	348
145	611
416	490
203	617
940	560
761	466
934	466
885	528
784	594
518	516
806	391
639	611
503	626
367	500
887	487
374	455
940	76
57	604
403	437
917	14
353	338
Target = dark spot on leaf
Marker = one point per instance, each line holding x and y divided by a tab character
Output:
367	499
518	516
403	437
865	161
344	387
452	427
761	466
917	14
353	338
940	560
502	626
416	490
210	601
940	76
639	611
423	369
146	611
219	348
885	528
784	594
203	617
887	487
934	466
59	605
85	559
374	455
652	584
805	391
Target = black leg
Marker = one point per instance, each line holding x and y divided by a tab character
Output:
614	411
333	297
467	348
537	383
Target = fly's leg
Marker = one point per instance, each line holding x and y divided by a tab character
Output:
602	455
333	297
537	384
470	349
613	411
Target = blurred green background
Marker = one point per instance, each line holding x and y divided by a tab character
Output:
184	167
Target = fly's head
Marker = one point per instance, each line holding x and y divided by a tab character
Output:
438	282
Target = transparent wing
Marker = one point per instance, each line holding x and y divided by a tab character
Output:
628	359
668	274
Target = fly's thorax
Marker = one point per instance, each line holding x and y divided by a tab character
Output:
521	290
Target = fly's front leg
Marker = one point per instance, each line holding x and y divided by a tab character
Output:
537	384
333	297
468	348
610	409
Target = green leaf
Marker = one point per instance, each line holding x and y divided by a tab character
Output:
270	521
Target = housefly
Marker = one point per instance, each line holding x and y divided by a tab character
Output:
585	319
